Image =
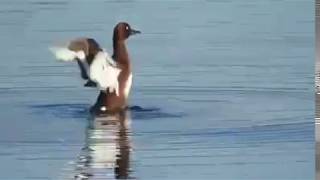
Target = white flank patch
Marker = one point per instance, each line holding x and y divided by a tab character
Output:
65	54
102	72
127	88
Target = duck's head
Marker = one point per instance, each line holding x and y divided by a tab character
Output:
123	31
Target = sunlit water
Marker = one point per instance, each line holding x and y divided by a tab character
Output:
225	88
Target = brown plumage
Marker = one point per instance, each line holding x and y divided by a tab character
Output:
90	47
107	101
121	33
90	57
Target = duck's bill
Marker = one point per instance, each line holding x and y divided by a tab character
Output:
133	32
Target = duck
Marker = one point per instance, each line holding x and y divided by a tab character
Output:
111	75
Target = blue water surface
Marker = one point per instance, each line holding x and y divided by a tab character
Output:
222	89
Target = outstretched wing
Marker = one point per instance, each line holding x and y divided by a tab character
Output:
104	72
75	49
81	50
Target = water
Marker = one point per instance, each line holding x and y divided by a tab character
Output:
225	88
317	85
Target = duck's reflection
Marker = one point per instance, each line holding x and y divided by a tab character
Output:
106	154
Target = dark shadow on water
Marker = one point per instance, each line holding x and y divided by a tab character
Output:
82	111
62	110
141	109
140	113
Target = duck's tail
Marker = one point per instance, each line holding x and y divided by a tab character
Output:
65	54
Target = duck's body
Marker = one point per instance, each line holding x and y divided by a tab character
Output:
100	69
111	101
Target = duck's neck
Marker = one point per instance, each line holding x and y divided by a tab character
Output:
120	52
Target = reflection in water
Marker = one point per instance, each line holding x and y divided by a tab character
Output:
106	154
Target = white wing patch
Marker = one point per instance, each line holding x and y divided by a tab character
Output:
65	54
103	72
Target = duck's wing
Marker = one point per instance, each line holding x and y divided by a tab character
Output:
81	50
104	72
73	50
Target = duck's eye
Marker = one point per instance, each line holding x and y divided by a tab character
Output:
127	27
